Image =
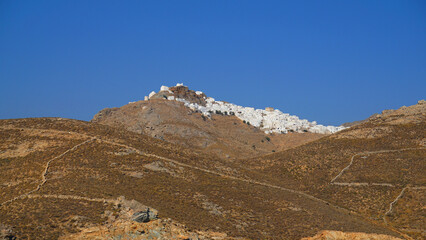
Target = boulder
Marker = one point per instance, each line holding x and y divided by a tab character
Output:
144	216
6	232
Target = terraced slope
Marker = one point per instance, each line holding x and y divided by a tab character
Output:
58	176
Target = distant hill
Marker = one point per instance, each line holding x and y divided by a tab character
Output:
190	118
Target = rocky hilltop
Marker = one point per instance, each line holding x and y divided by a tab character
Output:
269	120
190	118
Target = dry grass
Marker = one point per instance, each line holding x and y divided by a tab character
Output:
198	199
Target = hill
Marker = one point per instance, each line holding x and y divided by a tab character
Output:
375	168
61	176
190	118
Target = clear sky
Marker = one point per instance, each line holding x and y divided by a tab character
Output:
329	61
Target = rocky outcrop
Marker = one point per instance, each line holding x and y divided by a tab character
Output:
6	232
137	221
179	92
337	235
183	92
404	115
157	229
144	216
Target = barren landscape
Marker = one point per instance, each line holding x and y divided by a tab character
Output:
70	179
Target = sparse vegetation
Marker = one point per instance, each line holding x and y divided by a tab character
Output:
4	162
96	170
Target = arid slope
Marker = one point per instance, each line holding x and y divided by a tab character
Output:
59	176
224	135
376	169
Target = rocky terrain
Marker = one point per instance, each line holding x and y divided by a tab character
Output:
69	179
221	132
132	220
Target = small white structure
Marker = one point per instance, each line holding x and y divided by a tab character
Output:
179	84
146	98
198	92
151	94
164	88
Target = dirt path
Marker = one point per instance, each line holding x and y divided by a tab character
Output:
397	199
368	153
43	175
73	197
352	184
394	201
361	184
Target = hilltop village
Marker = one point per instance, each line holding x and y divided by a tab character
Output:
269	120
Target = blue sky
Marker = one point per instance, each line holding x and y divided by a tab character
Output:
329	61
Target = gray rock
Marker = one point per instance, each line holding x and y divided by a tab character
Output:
6	232
144	216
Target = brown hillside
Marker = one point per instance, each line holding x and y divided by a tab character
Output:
225	136
403	114
376	168
60	176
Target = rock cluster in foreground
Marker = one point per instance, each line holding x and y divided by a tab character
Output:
136	221
338	235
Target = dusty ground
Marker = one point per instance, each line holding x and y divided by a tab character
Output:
68	187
